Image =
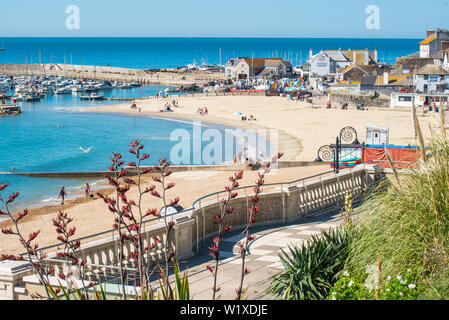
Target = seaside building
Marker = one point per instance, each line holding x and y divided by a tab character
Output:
330	62
436	41
431	78
355	73
432	50
245	68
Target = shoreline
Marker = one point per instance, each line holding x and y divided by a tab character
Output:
287	143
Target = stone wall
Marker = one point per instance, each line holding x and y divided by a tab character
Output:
285	203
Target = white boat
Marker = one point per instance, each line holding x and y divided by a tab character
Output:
21	89
63	91
78	89
175	89
219	87
261	87
135	84
45	91
92	96
18	97
125	85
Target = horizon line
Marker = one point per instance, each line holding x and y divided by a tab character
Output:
216	37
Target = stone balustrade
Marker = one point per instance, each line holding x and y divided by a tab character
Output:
285	203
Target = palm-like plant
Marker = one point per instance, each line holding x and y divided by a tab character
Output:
309	270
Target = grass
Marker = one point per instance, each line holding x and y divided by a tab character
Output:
407	225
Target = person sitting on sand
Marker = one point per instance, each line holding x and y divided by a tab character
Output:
251	117
205	111
166	108
133	105
62	194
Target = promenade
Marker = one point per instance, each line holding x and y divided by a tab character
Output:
262	261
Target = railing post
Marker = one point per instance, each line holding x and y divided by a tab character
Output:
283	204
204	223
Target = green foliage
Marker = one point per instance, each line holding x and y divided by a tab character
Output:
358	287
407	225
180	291
309	271
375	95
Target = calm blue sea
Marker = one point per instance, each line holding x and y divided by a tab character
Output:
31	142
173	52
47	135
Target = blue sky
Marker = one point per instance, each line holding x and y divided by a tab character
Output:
228	18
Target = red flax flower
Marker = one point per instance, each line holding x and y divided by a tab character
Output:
4	185
12	197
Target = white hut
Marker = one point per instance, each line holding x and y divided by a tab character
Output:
376	135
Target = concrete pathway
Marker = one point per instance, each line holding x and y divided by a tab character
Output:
262	261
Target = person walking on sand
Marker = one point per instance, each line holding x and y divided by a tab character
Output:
62	194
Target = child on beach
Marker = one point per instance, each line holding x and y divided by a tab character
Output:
62	194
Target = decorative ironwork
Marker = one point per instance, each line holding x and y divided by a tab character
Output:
348	135
326	153
332	153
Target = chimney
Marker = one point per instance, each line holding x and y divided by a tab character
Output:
386	80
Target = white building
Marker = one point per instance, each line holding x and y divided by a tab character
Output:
329	62
431	79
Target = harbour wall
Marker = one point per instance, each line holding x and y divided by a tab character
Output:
160	76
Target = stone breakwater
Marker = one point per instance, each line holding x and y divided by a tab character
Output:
147	76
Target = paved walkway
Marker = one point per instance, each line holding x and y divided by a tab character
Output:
262	261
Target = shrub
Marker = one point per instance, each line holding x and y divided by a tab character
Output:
358	287
309	271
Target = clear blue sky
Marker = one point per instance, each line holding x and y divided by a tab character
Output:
224	18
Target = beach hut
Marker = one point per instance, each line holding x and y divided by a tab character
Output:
376	135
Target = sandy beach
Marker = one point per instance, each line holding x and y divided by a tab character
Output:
302	130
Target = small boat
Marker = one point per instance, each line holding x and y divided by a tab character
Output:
125	85
33	97
18	97
92	96
90	88
63	91
78	89
46	90
135	84
175	89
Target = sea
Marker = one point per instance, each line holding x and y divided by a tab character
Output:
47	136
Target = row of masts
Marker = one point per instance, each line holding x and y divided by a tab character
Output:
28	70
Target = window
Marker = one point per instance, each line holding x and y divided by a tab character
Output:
405	98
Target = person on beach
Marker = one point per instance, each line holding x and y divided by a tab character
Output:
205	111
62	194
87	189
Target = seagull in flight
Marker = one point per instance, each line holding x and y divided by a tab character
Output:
85	150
